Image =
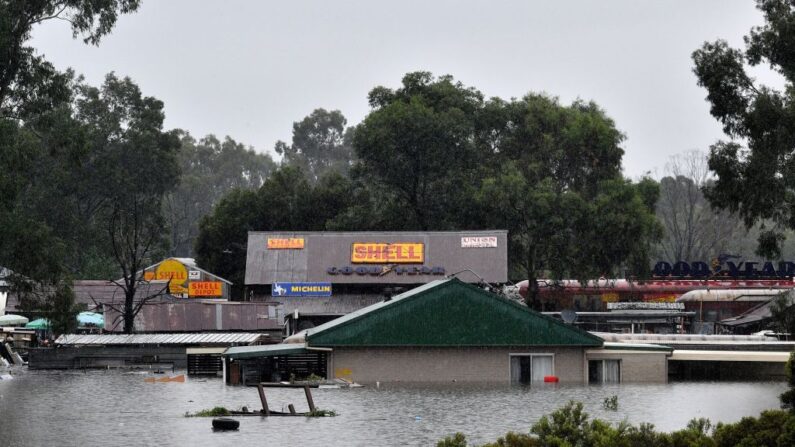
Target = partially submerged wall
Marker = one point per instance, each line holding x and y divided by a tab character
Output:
108	357
485	365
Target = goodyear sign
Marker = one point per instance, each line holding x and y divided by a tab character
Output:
293	243
301	289
385	253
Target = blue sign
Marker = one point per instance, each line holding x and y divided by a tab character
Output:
301	289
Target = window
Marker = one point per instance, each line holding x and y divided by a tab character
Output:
604	371
529	368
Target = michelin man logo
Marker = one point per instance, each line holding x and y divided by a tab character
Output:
278	290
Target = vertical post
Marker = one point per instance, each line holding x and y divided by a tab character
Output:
309	398
291	407
262	399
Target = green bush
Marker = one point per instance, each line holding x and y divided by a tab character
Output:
570	427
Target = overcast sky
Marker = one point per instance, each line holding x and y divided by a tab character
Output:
249	69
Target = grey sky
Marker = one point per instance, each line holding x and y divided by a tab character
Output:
248	69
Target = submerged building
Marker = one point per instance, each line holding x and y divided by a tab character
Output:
449	331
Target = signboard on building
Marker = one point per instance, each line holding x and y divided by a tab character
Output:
387	253
205	288
406	257
170	270
281	289
194	275
479	242
293	243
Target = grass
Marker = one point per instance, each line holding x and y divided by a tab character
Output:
318	413
217	411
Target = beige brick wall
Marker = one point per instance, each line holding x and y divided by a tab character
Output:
637	367
369	365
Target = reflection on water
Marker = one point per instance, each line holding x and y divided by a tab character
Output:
117	408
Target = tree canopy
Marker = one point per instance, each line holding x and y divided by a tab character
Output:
210	168
321	144
755	168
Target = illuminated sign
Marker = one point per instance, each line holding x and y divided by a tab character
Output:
170	270
381	270
205	288
301	289
292	243
479	242
380	253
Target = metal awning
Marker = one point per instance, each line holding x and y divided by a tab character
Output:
636	348
248	352
207	338
730	356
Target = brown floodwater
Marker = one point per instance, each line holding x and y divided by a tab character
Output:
47	408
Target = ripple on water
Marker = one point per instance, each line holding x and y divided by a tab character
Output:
117	408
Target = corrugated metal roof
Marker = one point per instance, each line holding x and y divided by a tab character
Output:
333	305
612	346
159	339
730	295
448	313
245	352
729	356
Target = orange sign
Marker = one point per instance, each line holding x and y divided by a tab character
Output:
397	253
660	297
205	288
609	297
285	243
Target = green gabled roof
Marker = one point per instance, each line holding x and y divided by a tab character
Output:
448	313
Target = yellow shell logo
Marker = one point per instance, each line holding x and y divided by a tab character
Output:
174	271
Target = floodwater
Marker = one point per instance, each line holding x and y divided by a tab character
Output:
45	408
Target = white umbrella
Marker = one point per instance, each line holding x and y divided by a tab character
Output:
12	320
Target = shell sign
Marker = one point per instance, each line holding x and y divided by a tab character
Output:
394	253
293	243
170	270
205	288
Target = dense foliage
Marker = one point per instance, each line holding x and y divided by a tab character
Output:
755	168
434	155
570	426
321	144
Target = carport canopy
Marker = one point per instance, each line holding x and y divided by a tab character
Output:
249	352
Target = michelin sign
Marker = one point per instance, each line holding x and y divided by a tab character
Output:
280	289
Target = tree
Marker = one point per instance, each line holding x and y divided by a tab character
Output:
754	169
29	85
210	168
416	151
558	189
39	144
321	144
694	231
133	165
286	201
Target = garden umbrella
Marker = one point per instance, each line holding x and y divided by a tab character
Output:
90	319
12	320
41	323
